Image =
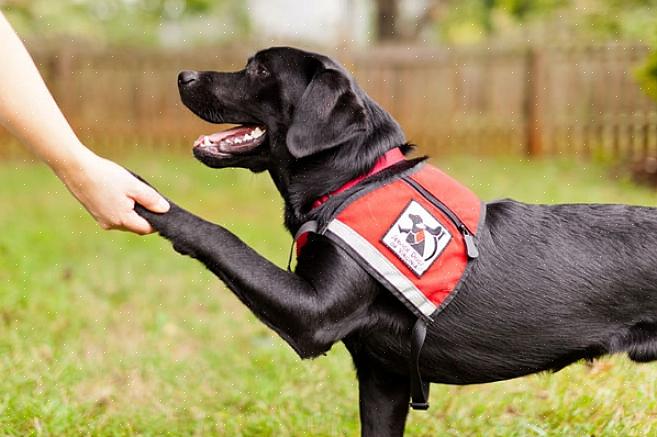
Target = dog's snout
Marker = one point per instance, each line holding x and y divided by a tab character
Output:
186	78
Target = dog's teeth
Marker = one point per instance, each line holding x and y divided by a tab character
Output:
257	132
247	137
238	140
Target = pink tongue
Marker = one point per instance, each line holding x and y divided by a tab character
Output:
218	136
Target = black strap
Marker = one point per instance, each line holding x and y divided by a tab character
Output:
289	258
419	388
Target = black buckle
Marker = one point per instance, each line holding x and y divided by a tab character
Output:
420	405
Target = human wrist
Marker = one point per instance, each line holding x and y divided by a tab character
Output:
72	167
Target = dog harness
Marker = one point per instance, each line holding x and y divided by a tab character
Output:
414	234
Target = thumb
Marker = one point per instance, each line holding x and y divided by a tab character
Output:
150	199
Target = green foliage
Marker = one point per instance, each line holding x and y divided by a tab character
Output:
646	75
133	22
110	334
475	20
543	20
467	21
525	9
634	20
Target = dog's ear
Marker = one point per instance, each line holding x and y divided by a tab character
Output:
330	113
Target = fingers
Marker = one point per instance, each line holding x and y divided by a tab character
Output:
128	221
109	192
134	223
149	198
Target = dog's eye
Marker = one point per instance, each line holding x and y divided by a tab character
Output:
261	71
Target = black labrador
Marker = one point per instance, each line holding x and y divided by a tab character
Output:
553	283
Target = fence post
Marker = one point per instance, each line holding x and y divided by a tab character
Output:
533	136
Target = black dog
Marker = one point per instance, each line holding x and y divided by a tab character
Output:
552	285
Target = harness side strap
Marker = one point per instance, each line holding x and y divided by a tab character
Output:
300	239
419	388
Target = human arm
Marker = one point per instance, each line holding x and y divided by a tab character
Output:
28	111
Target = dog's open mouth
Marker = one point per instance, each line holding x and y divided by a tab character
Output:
234	141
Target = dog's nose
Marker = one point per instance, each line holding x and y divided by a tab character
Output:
187	77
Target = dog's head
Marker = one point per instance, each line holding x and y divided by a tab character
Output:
290	105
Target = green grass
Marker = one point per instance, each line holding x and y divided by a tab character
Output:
107	333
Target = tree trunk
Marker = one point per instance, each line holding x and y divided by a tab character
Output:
386	20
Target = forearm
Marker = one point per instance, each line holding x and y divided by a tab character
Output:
28	110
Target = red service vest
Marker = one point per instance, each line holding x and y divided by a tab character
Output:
415	235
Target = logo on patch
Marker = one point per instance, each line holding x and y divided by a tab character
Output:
417	238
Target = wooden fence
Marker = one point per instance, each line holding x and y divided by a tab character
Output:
554	100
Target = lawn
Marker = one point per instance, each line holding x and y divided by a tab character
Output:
107	333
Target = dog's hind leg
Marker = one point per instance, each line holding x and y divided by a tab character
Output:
384	401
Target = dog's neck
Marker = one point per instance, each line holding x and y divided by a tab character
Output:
309	191
306	180
390	158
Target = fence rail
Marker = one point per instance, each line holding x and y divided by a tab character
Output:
553	100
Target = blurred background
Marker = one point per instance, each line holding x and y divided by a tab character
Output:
107	333
574	77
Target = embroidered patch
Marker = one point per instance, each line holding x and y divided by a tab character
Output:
417	238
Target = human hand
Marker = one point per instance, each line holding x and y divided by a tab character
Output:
109	192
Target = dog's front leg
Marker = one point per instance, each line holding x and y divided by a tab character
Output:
309	313
383	398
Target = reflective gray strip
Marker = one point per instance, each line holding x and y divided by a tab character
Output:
382	266
309	226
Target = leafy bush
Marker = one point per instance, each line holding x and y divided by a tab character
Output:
646	75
